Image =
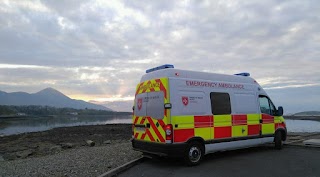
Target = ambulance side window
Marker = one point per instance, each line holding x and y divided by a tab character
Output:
220	103
266	106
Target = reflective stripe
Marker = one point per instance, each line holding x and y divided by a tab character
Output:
205	133
267	129
222	132
254	129
182	135
239	119
253	119
156	131
239	130
222	120
203	121
210	127
149	135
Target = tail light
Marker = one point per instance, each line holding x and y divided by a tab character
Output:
132	128
169	133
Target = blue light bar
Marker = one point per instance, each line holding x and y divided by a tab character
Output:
243	74
159	67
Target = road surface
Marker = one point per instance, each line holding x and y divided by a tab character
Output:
259	161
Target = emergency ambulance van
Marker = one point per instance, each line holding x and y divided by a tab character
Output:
189	114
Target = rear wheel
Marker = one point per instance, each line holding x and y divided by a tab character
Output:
194	153
278	140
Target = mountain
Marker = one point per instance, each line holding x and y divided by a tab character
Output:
121	106
307	113
46	97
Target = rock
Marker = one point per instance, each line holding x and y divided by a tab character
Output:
107	142
66	145
90	143
1	158
10	156
118	141
33	146
55	148
24	154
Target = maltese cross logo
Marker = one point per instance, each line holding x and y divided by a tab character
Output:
139	103
185	100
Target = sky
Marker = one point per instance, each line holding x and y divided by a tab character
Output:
97	50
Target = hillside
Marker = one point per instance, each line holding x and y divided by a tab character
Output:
46	97
307	113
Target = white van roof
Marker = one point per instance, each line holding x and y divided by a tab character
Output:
170	72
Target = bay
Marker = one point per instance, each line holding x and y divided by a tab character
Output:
23	125
34	124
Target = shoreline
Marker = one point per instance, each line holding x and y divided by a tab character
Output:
34	144
63	138
313	118
66	151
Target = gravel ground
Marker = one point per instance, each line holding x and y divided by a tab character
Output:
65	151
85	161
36	144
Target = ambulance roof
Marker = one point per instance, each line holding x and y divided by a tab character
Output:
177	73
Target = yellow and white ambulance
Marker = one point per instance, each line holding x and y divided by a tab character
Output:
189	114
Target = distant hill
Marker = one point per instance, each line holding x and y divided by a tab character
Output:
46	97
307	113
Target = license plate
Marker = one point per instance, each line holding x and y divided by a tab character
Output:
140	129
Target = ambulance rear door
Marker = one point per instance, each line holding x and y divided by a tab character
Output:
150	116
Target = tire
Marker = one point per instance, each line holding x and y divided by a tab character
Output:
278	140
194	153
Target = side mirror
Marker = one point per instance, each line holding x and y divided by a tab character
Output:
280	111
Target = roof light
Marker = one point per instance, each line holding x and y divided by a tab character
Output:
159	67
243	74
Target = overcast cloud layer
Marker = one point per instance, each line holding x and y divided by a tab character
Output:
98	50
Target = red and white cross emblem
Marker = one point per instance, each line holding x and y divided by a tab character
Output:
185	100
139	103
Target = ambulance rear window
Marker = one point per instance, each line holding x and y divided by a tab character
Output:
220	103
155	105
150	104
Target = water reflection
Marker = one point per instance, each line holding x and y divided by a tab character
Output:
22	125
302	125
16	126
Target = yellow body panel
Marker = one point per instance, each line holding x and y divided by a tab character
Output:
253	119
278	119
205	133
183	121
239	130
267	128
222	120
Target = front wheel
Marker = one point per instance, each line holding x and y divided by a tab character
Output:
194	153
278	140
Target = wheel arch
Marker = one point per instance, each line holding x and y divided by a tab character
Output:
198	139
283	133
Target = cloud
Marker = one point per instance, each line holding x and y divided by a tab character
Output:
12	66
101	48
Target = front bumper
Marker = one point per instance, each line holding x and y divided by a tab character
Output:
161	149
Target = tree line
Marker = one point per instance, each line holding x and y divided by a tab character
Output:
33	110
